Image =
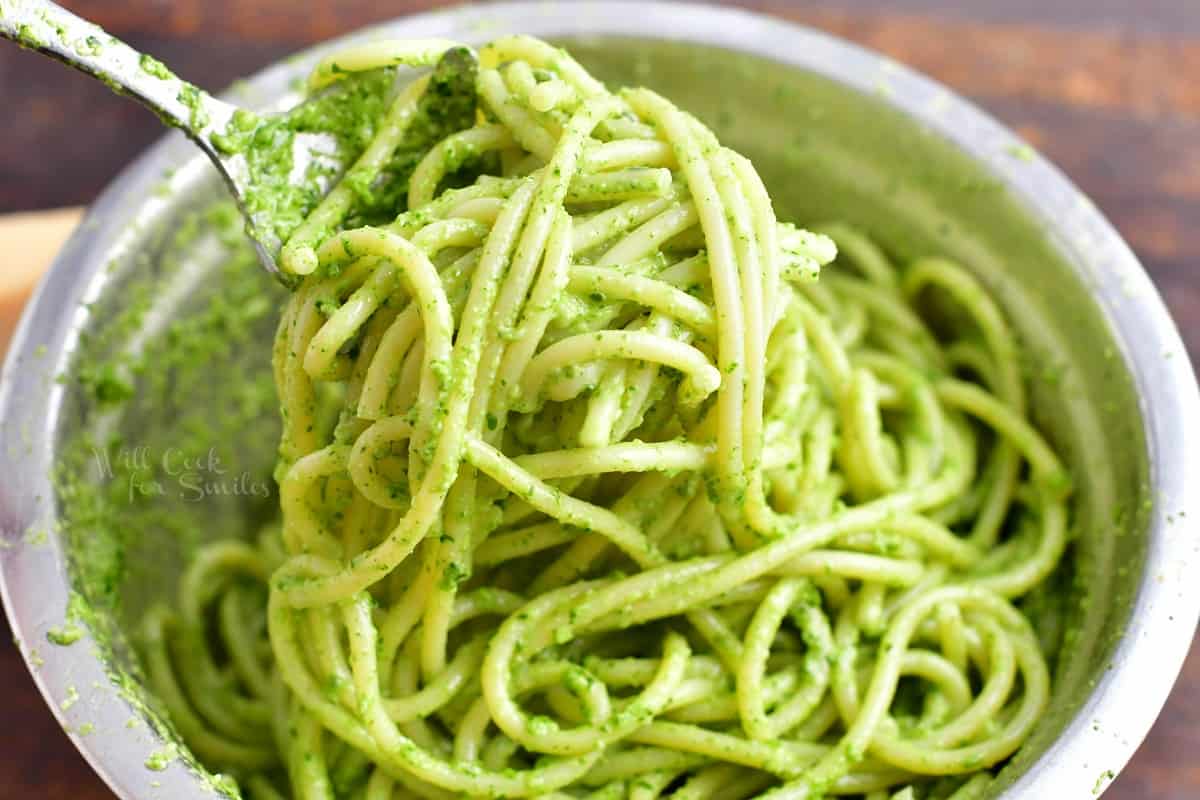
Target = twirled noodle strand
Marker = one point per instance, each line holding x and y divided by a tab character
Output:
590	488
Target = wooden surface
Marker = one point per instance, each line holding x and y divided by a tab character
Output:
30	240
1109	89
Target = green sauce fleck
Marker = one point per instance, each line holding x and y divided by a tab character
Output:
64	635
27	38
1021	152
90	46
153	67
236	135
71	699
58	29
226	784
161	759
452	576
105	384
191	97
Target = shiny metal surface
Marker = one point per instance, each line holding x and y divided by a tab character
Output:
1128	417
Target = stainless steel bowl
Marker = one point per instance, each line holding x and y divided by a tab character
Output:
838	132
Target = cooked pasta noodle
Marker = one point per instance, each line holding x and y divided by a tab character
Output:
590	487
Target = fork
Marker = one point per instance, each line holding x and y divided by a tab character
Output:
212	124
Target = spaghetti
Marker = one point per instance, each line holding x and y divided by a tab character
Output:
589	488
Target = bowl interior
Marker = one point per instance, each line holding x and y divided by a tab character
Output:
167	430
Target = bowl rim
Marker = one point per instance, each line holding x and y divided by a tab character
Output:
1105	730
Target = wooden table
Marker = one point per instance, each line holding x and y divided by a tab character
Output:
1109	89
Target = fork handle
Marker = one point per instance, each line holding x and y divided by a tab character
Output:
52	30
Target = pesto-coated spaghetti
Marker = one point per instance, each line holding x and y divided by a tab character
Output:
590	487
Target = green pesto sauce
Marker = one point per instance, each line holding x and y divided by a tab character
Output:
36	536
192	99
131	515
276	201
153	67
1021	152
27	37
108	523
161	759
89	46
64	635
106	383
59	30
348	114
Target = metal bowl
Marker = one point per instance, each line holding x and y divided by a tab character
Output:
837	131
